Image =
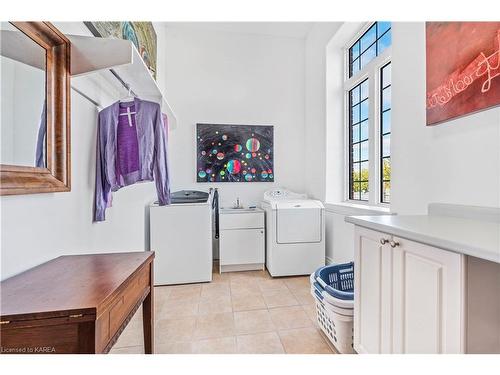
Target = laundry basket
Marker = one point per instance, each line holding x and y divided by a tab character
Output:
333	289
337	280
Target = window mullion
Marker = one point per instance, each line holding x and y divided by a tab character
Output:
372	137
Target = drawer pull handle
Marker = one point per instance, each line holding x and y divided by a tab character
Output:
4	322
76	316
383	241
394	244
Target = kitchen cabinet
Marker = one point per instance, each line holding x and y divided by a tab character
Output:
242	240
409	297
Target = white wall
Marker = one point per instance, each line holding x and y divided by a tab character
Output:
315	102
325	131
208	77
212	76
36	228
454	162
236	78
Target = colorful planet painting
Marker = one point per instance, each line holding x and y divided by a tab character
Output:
253	144
233	166
234	153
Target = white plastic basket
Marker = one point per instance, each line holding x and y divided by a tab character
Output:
337	327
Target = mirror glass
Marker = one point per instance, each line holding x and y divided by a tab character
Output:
22	98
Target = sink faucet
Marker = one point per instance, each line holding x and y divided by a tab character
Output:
237	204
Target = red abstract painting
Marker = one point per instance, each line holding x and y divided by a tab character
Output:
463	68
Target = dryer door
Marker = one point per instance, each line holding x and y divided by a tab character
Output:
298	222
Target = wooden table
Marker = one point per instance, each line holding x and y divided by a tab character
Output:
77	303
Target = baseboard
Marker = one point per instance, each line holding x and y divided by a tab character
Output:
242	267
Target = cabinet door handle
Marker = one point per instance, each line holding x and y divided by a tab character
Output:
394	244
383	241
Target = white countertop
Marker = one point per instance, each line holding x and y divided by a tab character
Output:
229	210
467	236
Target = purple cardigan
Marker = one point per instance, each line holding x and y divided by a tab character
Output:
152	149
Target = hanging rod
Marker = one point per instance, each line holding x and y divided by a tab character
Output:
117	76
124	84
87	97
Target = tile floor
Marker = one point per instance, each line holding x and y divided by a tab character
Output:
239	312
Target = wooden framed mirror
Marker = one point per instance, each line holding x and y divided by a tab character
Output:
35	123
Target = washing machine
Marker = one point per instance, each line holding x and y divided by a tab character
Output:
182	236
295	233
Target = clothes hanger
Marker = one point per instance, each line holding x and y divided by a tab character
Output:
131	97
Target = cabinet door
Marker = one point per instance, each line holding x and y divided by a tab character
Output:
428	299
372	292
241	246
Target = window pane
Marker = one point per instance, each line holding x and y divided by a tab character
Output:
364	191
368	55
355	50
364	171
356	172
384	42
358	145
364	131
355	114
364	150
386	99
364	110
386	75
355	133
386	145
364	90
355	152
386	169
368	38
355	194
386	122
375	40
386	191
385	178
355	67
382	27
355	95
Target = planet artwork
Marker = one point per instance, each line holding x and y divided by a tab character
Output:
234	153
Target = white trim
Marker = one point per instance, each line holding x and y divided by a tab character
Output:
353	209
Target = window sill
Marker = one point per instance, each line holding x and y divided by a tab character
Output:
353	209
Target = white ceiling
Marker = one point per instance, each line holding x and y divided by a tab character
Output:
284	29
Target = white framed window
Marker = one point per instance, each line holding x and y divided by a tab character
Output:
367	93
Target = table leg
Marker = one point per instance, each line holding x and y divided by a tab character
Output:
148	321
